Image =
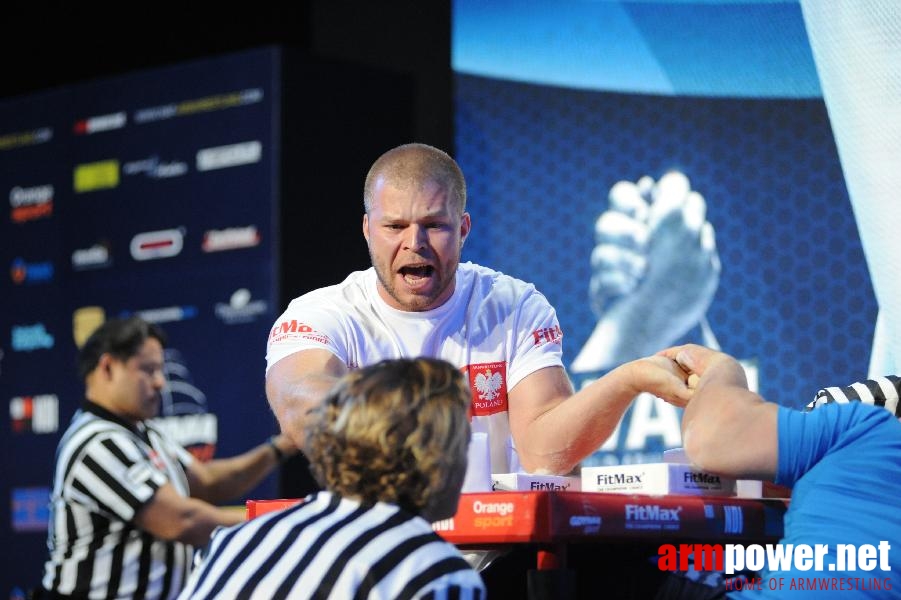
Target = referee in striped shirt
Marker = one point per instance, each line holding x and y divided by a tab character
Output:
128	503
388	445
881	391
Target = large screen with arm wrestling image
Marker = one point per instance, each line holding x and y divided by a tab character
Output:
669	172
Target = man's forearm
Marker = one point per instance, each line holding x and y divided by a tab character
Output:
575	426
171	516
201	520
559	439
224	479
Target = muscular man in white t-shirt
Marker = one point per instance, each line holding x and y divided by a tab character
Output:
417	300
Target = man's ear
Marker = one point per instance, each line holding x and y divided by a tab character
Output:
105	365
465	226
366	227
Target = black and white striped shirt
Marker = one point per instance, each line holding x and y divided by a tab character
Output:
106	470
333	547
880	391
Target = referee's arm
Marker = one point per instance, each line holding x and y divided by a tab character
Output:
171	516
224	479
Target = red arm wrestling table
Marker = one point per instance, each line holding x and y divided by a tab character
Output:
551	521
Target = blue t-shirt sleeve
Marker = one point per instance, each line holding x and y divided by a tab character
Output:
806	438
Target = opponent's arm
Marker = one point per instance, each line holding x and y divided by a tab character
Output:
726	429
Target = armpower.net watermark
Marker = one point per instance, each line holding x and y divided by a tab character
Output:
819	560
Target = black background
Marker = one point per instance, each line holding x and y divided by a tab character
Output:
384	78
399	49
48	44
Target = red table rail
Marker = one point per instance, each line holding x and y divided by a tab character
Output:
548	517
545	524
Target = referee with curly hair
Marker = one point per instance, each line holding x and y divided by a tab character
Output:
389	446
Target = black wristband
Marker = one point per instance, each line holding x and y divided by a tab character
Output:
279	455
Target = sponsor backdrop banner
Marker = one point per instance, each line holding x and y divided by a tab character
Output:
149	194
750	246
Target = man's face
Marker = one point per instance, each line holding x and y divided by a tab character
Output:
135	384
414	237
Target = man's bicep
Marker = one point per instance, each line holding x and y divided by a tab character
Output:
536	394
297	383
304	366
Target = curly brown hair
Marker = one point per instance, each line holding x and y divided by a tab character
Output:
396	431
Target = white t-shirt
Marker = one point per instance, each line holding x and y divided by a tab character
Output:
495	328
